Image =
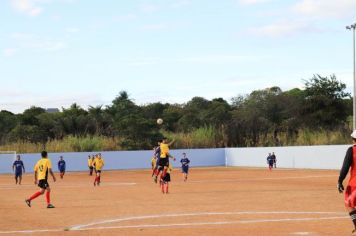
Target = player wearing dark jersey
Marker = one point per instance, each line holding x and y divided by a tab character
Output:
17	167
349	165
61	167
185	166
270	161
274	158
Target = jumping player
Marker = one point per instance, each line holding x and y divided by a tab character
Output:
350	192
61	166
17	167
166	179
164	157
42	168
270	161
185	166
98	165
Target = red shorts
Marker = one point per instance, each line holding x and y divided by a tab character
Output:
350	196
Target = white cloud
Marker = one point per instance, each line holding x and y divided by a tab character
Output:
159	26
30	41
28	7
72	30
252	2
148	8
326	8
284	28
8	52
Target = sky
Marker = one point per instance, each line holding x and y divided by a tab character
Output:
54	53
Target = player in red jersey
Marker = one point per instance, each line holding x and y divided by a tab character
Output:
350	192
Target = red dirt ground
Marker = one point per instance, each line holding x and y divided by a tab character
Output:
214	201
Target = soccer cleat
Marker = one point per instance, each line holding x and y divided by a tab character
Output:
50	206
28	202
155	179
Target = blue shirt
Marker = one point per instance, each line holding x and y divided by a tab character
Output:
185	161
158	152
18	166
61	165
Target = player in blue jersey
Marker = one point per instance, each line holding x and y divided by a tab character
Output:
185	166
270	161
61	167
157	153
17	167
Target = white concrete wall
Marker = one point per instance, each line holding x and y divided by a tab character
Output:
310	157
117	160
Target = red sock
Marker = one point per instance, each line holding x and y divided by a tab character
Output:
167	188
35	195
96	179
162	187
48	198
99	179
164	173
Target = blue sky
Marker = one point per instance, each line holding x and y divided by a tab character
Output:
57	52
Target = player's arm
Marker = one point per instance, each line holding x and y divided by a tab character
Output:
13	167
169	144
64	165
23	167
345	169
35	176
51	172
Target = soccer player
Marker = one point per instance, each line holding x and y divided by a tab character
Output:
164	157
98	164
185	166
270	161
17	167
153	161
90	164
350	192
42	168
61	166
166	179
157	153
274	158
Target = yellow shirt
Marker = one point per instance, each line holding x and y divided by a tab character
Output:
164	150
42	167
153	162
90	162
99	163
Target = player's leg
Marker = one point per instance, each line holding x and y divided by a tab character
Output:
20	179
36	194
48	197
16	177
350	204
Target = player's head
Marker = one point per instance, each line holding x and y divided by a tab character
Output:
159	142
353	136
184	154
165	140
44	154
61	157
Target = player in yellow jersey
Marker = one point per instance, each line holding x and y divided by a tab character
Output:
164	157
90	164
98	165
42	168
153	161
166	179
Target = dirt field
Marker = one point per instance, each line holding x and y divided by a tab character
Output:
214	201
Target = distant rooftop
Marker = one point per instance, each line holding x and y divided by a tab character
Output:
52	110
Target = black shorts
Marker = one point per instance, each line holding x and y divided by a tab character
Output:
167	178
43	184
18	174
164	161
98	171
90	167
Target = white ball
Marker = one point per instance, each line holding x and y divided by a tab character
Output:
159	121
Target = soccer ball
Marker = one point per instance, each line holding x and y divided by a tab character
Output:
159	121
